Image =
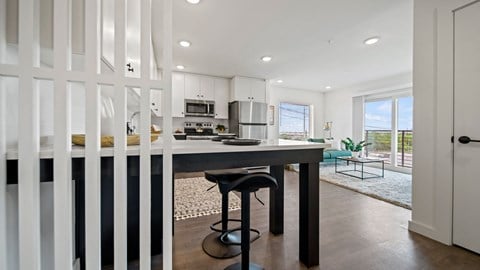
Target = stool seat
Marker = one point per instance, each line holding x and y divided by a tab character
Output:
223	177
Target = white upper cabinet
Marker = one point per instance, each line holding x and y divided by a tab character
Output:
222	91
259	89
178	94
248	89
192	86
207	88
199	87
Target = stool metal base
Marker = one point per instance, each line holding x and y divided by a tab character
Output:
216	249
238	266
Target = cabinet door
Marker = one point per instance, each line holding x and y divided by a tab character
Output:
243	89
178	95
259	88
156	102
192	86
207	88
221	98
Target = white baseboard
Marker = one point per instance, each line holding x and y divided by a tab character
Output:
427	231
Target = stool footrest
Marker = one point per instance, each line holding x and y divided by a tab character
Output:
238	266
212	227
224	237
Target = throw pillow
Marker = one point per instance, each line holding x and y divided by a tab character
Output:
316	140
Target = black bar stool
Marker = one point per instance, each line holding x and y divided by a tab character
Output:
246	185
212	245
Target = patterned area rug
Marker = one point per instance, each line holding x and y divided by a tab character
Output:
193	200
395	188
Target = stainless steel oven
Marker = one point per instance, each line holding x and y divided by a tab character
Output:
205	108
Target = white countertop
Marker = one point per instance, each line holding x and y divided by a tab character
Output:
186	147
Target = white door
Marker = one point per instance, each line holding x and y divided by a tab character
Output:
466	213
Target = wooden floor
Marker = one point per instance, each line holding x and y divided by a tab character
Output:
356	232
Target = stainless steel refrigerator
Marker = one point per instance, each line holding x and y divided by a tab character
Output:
248	120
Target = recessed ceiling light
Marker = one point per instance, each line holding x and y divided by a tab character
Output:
371	41
193	1
180	67
185	43
328	87
266	58
279	81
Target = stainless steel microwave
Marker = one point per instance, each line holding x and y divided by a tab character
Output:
205	108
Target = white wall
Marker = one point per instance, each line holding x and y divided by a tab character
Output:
276	95
433	118
338	110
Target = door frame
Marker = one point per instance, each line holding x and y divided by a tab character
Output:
432	199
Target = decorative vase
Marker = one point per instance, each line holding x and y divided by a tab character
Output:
357	154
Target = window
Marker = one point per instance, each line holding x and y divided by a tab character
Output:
294	121
388	126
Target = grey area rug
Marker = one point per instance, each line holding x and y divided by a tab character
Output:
395	188
193	200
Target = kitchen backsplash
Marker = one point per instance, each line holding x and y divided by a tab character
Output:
179	122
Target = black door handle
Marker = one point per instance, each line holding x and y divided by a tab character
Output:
466	139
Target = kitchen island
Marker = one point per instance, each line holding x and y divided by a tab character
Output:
194	156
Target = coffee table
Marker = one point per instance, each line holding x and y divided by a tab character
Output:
361	171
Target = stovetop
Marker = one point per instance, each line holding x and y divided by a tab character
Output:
198	131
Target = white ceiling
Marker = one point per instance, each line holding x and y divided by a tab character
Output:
230	36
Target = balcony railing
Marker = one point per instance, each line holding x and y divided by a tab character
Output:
381	146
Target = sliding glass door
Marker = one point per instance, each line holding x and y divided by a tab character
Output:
378	129
388	127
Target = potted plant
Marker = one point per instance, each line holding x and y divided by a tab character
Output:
356	148
220	128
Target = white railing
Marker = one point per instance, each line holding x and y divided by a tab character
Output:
28	72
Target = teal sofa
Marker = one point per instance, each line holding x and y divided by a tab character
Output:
329	154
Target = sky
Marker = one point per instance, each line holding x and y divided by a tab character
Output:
378	114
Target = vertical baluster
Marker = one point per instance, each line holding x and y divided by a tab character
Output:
3	178
145	121
28	144
28	147
3	146
167	136
92	128
120	158
62	185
